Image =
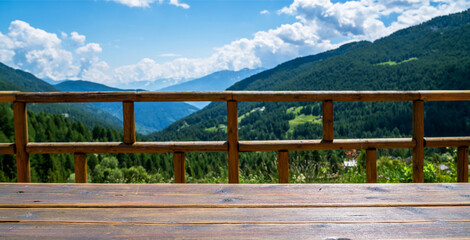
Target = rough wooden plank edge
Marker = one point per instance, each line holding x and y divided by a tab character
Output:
119	147
7	148
431	142
252	96
337	144
225	205
7	96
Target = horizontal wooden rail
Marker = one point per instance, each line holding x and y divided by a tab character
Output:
22	148
7	148
9	96
434	142
119	147
337	144
240	96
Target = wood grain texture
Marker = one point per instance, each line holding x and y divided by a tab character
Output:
371	166
7	96
462	164
283	166
327	111
128	122
435	230
234	195
7	148
232	139
235	211
256	96
80	168
21	139
418	136
180	170
175	216
337	144
119	147
446	141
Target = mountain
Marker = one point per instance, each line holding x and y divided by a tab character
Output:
84	86
213	82
434	55
149	117
17	80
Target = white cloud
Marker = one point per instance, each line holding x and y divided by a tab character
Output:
46	56
264	12
178	4
77	38
319	21
320	25
135	3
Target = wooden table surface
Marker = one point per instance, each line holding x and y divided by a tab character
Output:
268	211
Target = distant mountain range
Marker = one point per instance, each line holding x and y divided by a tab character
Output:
17	80
217	81
149	117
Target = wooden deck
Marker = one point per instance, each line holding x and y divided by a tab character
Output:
309	211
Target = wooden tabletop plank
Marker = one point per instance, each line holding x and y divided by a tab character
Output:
357	215
434	230
223	196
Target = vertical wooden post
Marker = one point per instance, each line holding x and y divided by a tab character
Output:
418	136
80	168
180	170
327	109
283	166
21	139
371	165
232	135
129	121
462	164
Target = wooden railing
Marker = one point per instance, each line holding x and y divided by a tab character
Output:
22	148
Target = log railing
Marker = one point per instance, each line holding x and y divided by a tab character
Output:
22	148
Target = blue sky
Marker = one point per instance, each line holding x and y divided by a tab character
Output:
118	42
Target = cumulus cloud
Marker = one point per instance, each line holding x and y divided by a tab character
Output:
318	22
45	55
77	38
178	4
320	25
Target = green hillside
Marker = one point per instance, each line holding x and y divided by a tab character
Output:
149	116
431	56
17	80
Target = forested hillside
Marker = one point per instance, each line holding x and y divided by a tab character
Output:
17	80
431	56
149	116
217	81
